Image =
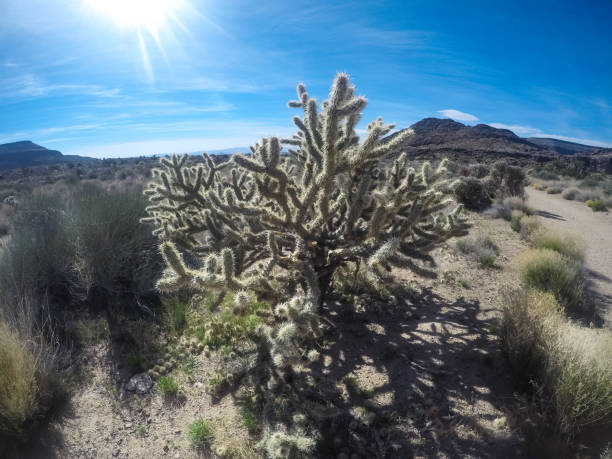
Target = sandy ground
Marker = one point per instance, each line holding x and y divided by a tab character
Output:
595	228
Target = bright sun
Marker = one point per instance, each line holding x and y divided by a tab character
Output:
149	14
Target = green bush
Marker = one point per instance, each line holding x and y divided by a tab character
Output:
200	433
549	271
529	225
570	366
596	205
564	243
167	385
175	315
515	220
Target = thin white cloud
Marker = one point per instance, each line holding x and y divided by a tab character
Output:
30	85
37	133
458	115
528	131
9	64
521	131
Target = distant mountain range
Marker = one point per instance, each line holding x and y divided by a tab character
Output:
28	154
432	137
563	147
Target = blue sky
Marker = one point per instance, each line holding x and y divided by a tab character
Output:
85	79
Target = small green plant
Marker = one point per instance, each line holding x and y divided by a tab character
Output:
596	205
167	385
190	364
464	283
200	433
175	315
248	412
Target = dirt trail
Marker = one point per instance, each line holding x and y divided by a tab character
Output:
595	228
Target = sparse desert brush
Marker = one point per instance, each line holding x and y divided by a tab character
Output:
571	194
571	365
565	243
18	389
554	189
529	225
517	203
480	248
549	271
515	220
596	205
539	186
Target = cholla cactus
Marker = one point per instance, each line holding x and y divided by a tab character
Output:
270	219
279	226
265	218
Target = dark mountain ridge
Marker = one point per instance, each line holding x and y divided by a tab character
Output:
445	137
28	154
563	147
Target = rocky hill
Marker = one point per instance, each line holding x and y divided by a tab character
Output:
444	137
28	154
563	147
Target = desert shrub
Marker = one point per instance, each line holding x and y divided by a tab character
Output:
539	186
549	271
571	194
480	248
529	225
517	203
18	394
115	253
564	243
472	193
571	366
596	205
277	227
515	220
554	189
200	433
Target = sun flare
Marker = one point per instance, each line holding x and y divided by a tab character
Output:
150	14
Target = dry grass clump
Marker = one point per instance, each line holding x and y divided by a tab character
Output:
554	189
529	225
571	194
18	391
565	243
570	366
480	248
549	271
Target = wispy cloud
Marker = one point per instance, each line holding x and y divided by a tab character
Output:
528	131
38	133
458	115
30	85
9	64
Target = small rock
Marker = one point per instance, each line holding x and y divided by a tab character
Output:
166	448
199	385
177	455
128	425
116	453
140	383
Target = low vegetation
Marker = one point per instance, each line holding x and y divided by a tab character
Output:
480	248
571	366
549	271
200	433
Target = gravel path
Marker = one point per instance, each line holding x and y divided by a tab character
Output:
595	228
